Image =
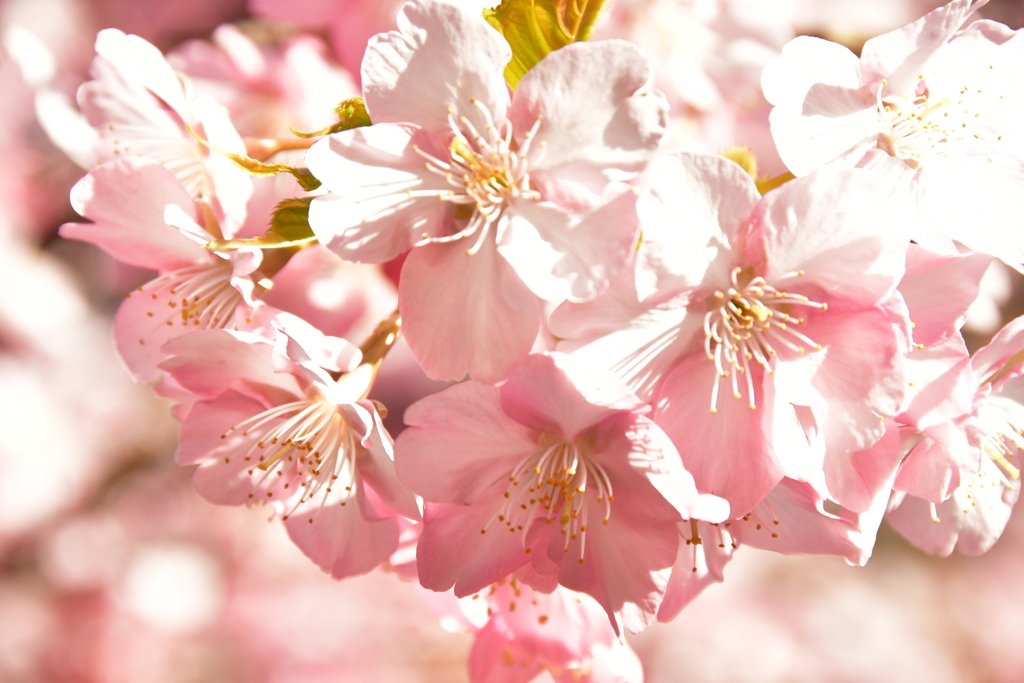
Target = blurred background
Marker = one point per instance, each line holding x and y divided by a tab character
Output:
112	569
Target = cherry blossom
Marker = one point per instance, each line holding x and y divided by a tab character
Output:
749	307
976	460
508	201
274	428
609	365
933	107
143	216
139	106
564	460
520	632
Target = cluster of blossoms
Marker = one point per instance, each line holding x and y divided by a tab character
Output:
654	356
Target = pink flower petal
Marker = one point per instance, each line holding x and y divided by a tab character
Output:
142	63
560	256
441	57
343	535
973	518
652	454
125	200
459	443
833	230
377	467
855	480
466	314
460	547
823	110
553	393
792	520
857	377
208	362
371	215
938	289
900	55
599	110
639	343
698	207
931	468
729	452
143	324
941	384
224	475
1003	349
698	565
627	559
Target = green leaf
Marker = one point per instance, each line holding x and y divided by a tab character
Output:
289	228
534	28
305	179
351	114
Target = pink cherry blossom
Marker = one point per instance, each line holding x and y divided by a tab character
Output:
934	107
746	307
938	289
508	201
563	460
140	106
274	428
959	481
143	216
520	632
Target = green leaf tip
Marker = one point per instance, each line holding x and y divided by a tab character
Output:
289	229
535	28
351	114
305	179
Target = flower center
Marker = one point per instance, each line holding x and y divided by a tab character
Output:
198	296
553	483
305	444
485	171
746	323
922	127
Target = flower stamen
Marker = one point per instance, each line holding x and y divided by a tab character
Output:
746	323
484	170
555	483
308	444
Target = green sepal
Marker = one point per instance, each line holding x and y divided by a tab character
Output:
534	28
351	114
289	228
307	181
